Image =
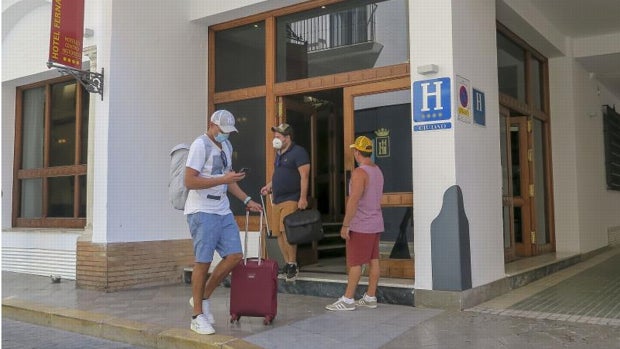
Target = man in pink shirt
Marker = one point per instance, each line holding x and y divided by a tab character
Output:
362	227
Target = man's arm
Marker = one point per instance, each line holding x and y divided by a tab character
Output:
358	185
237	192
304	174
194	181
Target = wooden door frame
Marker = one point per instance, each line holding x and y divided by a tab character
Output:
349	94
524	249
510	253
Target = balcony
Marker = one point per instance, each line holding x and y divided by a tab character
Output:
323	44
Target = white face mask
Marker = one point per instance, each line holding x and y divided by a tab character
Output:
277	143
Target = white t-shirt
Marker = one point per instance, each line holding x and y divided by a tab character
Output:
215	199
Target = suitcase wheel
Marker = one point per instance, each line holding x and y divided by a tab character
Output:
267	320
234	317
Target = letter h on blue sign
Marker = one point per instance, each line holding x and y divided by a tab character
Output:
432	100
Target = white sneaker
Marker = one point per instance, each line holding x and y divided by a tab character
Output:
205	309
367	301
340	304
201	325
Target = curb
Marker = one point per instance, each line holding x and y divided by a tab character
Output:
116	329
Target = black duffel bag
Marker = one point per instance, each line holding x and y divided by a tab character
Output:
303	226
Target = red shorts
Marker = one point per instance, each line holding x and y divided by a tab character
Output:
362	248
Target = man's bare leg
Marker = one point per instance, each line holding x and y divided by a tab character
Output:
355	273
222	269
373	278
199	278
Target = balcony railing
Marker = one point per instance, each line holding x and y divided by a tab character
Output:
336	29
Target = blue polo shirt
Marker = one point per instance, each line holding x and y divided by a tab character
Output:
286	179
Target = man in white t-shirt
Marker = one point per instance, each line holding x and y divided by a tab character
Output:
209	178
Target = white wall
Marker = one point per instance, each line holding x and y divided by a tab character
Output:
212	12
478	163
579	159
564	152
156	95
459	37
433	171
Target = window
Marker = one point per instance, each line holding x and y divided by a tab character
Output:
342	37
247	146
240	57
611	132
511	68
50	155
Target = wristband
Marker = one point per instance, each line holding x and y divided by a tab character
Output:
245	202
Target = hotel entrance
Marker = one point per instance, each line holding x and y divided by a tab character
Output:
325	123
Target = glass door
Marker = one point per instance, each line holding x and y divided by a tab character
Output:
517	190
382	112
316	118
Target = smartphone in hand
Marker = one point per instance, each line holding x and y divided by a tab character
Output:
244	170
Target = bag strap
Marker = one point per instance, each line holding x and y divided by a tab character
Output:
207	145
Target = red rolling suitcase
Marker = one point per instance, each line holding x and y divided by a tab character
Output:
254	284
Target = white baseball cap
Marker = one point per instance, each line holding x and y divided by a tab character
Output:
225	120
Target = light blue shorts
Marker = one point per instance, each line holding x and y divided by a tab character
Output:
212	232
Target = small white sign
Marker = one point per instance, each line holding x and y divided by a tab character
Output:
463	100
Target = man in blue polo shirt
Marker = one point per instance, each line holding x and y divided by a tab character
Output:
289	185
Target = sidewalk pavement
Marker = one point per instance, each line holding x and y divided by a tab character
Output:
159	317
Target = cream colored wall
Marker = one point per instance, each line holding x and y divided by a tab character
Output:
584	209
457	36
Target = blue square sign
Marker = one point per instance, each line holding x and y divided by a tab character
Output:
432	100
479	107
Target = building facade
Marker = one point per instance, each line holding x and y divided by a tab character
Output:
487	118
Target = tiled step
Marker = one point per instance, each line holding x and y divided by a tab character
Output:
390	291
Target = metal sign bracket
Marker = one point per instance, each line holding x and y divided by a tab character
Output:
92	82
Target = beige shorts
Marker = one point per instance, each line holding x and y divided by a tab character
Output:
278	212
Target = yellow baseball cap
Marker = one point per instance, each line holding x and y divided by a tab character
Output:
362	143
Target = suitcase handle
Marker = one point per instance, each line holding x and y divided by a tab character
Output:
260	238
268	232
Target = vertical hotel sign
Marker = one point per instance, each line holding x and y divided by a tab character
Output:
67	32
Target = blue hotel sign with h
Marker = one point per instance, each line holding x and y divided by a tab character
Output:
432	104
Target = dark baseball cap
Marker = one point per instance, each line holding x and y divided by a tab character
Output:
284	129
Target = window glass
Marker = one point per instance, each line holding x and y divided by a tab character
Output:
508	224
504	157
60	196
540	187
516	160
342	37
511	68
248	146
240	57
386	119
62	140
398	223
518	224
536	82
33	126
83	182
32	194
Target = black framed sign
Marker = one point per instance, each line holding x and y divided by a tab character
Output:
611	131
